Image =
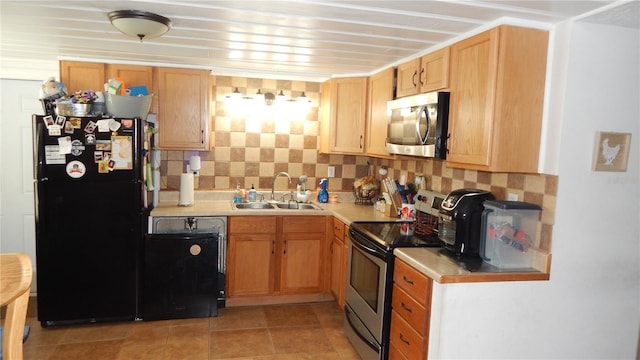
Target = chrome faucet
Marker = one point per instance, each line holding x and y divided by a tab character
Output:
273	184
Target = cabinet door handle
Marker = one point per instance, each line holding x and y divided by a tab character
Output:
273	247
403	340
404	277
422	73
285	247
360	141
404	306
413	78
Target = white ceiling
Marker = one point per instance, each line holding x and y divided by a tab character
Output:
288	39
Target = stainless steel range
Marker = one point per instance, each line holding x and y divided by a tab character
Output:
370	273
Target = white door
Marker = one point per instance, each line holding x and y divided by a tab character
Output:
18	101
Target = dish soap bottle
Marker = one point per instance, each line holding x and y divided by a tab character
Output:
252	194
237	195
323	195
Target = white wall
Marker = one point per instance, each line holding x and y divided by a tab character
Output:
590	308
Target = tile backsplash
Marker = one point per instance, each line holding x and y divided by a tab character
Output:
253	141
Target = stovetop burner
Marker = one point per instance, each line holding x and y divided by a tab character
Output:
391	235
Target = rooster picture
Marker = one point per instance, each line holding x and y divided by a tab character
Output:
609	152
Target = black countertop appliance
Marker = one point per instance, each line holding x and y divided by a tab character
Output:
460	223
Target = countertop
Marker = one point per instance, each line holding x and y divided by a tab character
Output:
429	261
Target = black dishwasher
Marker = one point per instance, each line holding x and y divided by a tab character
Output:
180	275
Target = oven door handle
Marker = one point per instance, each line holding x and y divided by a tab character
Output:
370	342
367	249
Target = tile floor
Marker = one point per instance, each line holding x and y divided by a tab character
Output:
274	332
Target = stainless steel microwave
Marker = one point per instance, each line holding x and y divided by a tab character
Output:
418	125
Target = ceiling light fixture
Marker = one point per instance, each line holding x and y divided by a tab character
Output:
140	24
235	95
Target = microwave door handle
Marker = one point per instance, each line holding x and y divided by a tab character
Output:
425	110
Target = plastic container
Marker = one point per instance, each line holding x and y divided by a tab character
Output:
509	233
128	106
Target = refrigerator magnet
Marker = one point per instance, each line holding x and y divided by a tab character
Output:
122	152
68	127
103	167
89	139
48	121
104	145
75	122
103	125
127	123
64	144
76	169
54	130
90	127
60	120
77	147
114	125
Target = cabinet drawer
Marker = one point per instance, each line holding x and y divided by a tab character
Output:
338	228
252	224
394	353
304	224
405	339
414	283
410	310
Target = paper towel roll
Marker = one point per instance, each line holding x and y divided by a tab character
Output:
186	190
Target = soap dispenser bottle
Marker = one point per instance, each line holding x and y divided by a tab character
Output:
252	194
323	195
237	195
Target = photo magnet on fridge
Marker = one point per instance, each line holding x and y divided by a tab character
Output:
75	122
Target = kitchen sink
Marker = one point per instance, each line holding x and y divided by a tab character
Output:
273	206
297	206
260	206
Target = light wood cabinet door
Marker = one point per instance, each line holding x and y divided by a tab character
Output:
183	108
343	115
251	264
251	257
434	70
380	91
497	89
303	238
408	78
134	75
338	262
78	75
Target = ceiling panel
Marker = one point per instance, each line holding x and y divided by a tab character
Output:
294	39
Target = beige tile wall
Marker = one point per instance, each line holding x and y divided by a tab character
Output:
253	142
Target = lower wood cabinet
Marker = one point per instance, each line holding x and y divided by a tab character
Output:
272	255
410	314
338	254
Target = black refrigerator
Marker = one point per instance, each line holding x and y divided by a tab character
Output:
92	202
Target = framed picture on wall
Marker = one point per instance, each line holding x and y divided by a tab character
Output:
611	151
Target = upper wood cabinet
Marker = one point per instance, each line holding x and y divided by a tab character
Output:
134	75
380	91
428	73
497	90
343	111
183	108
77	75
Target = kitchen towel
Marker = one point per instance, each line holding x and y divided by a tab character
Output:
186	190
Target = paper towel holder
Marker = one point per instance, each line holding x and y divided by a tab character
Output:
194	165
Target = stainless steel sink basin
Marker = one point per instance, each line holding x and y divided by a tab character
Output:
298	206
259	206
272	206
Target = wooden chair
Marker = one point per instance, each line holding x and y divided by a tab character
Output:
15	281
